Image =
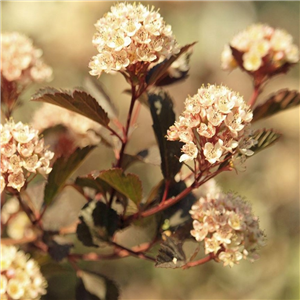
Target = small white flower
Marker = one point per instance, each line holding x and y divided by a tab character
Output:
211	245
206	130
3	284
280	40
190	152
230	257
227	60
234	221
252	60
2	183
292	54
200	231
214	116
213	152
14	289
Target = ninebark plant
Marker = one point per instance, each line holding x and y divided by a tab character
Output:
212	135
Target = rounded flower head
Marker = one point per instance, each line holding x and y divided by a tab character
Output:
17	223
21	61
228	228
22	153
261	47
82	131
131	34
21	277
214	124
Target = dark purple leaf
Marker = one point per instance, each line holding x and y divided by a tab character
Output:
62	170
163	117
158	71
281	100
76	101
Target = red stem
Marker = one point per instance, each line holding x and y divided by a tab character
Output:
163	205
119	252
133	253
125	139
200	261
114	133
167	186
254	96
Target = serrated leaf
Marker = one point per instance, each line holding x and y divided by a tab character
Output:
94	182
94	286
127	184
98	223
264	138
148	156
163	117
158	71
168	80
281	100
62	170
171	254
76	101
170	77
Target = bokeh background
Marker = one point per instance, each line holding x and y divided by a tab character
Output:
64	31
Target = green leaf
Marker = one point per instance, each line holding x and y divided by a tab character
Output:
171	254
127	184
264	138
95	286
163	117
158	72
147	156
93	181
77	101
277	102
62	170
98	223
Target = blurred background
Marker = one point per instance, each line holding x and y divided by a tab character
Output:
64	31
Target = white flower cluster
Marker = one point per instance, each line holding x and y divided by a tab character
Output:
261	45
128	34
21	61
228	228
215	123
21	277
82	130
22	153
17	223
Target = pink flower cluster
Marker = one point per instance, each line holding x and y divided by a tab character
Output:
228	228
128	34
22	153
21	61
261	45
215	123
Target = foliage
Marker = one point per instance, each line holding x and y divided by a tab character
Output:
211	136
